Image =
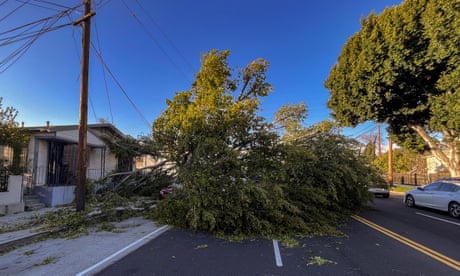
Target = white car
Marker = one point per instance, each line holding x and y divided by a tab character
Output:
443	194
380	191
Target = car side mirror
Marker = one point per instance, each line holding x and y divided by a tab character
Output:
421	188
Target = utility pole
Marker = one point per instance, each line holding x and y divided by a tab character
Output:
390	161
83	126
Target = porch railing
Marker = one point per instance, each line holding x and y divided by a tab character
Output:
61	177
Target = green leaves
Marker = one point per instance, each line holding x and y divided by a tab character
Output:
14	136
402	68
238	177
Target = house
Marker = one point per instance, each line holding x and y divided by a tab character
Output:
52	160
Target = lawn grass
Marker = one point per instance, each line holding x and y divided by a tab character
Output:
402	189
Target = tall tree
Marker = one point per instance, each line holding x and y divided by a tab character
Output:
221	147
402	68
13	136
237	177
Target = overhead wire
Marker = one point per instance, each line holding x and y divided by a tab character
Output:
101	59
13	11
102	3
166	36
47	25
44	7
104	73
152	37
370	128
51	3
29	33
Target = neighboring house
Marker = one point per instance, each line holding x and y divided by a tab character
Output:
11	200
52	160
435	169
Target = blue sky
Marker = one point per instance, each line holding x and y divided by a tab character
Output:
153	49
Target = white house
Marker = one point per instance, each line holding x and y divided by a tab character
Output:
52	160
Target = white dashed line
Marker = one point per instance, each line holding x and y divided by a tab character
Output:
436	218
279	262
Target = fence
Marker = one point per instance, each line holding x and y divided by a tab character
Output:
417	179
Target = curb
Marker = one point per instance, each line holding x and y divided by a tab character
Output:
101	265
22	241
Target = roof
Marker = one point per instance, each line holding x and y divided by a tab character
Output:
96	129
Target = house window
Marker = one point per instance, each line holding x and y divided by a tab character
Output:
124	165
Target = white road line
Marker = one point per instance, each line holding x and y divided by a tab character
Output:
154	233
436	218
279	262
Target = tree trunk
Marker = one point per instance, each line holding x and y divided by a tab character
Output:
448	155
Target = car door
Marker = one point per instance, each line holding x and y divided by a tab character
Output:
424	196
441	197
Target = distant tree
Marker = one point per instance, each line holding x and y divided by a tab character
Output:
13	136
369	141
369	151
402	68
403	161
290	118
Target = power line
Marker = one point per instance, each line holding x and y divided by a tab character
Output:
367	129
12	12
24	33
104	73
92	108
165	35
101	4
101	59
46	3
133	14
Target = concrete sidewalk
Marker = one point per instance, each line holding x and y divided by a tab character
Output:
84	255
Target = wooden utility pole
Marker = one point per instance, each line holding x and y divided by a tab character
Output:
83	126
390	161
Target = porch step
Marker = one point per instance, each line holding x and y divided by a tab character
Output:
32	203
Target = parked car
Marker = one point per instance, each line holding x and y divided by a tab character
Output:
380	190
169	190
443	194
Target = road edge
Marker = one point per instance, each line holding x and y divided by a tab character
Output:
101	265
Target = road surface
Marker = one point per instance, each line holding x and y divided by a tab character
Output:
386	239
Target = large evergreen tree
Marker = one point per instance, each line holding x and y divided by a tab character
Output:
402	68
238	176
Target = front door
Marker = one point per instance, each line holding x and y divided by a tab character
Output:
61	163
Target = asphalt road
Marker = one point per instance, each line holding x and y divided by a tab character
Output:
383	240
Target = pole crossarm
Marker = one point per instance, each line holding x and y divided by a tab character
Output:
84	18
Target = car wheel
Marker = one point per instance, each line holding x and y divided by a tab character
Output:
454	209
386	195
410	202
